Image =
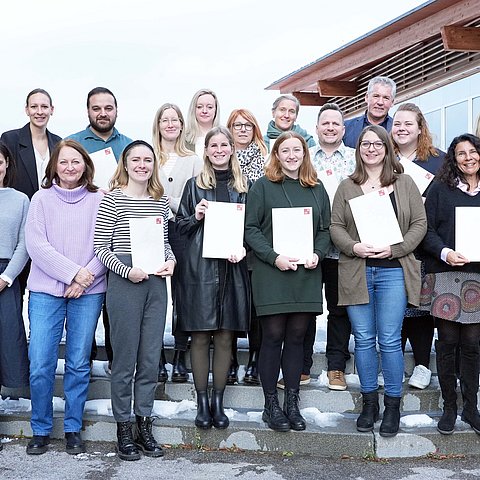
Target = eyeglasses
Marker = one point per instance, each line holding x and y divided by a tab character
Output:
166	121
378	145
238	126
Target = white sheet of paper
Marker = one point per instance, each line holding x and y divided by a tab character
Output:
329	180
467	227
224	224
293	232
105	166
147	243
375	219
420	176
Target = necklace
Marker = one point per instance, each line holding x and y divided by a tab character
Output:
373	184
411	154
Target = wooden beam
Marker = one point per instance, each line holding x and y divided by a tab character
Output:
310	99
335	88
461	39
358	56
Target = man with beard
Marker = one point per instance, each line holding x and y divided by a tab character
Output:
101	132
101	135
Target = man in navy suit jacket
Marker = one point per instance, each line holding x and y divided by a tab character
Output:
379	98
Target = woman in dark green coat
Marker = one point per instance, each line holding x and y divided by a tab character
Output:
286	294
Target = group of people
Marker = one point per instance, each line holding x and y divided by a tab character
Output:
70	243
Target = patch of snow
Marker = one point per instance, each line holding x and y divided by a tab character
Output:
417	420
314	415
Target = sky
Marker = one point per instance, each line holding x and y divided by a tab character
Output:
150	52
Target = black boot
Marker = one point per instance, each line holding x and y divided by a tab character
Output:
251	373
144	438
179	370
126	448
232	377
469	369
391	416
162	369
204	417
220	420
370	412
445	354
291	410
273	415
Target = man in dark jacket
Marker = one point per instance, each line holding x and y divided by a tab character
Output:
379	98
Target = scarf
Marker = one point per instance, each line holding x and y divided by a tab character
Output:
251	162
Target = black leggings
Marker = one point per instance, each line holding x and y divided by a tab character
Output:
287	330
458	333
419	331
200	356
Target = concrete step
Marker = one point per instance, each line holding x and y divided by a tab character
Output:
335	440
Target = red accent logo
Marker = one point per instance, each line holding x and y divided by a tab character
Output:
108	151
329	172
381	192
306	211
428	176
158	220
239	207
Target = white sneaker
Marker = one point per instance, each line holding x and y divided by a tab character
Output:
420	377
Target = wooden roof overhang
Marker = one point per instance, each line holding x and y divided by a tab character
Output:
430	46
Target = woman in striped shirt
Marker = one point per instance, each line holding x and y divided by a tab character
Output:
136	302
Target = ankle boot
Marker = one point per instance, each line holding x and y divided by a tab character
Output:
204	418
232	377
469	370
251	373
126	448
391	416
273	415
179	370
445	355
162	369
291	410
220	420
144	438
370	412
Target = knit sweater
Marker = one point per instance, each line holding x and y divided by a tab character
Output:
112	231
59	238
13	214
440	206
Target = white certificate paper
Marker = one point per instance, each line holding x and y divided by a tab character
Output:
375	219
467	228
329	180
293	232
224	224
147	243
420	176
105	166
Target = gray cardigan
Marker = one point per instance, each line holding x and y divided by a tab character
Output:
352	285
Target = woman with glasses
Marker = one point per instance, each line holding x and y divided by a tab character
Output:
451	289
412	141
177	165
251	152
377	282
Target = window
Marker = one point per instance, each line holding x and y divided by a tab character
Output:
456	121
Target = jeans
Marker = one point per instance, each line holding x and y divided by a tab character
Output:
48	315
380	318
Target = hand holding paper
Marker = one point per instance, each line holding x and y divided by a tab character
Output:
286	263
456	259
238	258
166	270
137	275
200	209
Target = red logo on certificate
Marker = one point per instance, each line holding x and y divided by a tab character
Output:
381	192
428	176
158	220
239	207
306	211
108	151
329	172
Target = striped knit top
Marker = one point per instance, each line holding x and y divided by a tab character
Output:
112	230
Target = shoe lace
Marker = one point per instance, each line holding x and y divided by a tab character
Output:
337	375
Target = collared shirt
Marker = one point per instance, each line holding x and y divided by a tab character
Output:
341	162
93	143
